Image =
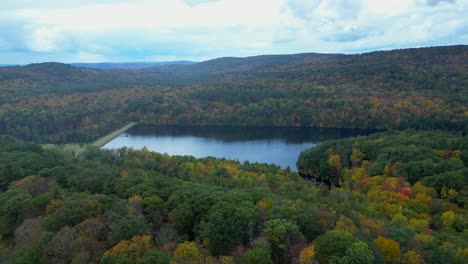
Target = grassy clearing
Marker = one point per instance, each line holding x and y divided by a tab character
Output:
78	148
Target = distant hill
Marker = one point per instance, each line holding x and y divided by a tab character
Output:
235	64
422	88
128	65
7	65
65	78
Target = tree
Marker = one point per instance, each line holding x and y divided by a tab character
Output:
346	224
256	256
127	227
12	205
356	157
333	243
167	236
447	219
389	248
227	260
59	249
153	207
92	228
26	255
334	161
28	233
74	210
228	224
132	249
183	218
155	257
282	234
307	255
111	259
401	233
412	257
358	253
308	222
187	253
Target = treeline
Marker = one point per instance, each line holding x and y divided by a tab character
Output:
128	206
412	88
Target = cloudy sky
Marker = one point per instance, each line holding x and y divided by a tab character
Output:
162	30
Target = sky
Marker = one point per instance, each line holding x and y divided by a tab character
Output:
167	30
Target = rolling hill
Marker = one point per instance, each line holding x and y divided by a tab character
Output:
423	88
129	65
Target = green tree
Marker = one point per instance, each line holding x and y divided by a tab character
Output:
74	210
26	255
358	253
282	234
308	222
12	205
447	219
112	259
152	203
356	156
333	243
228	224
127	227
256	256
155	257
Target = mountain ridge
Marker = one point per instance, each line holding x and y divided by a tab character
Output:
422	88
128	65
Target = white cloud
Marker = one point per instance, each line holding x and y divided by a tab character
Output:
44	39
146	30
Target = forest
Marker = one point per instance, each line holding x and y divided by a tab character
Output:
422	88
392	197
398	196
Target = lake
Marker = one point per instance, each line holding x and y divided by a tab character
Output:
281	146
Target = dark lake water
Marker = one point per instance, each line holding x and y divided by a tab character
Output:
255	144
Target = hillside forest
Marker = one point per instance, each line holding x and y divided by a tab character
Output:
421	88
398	196
401	202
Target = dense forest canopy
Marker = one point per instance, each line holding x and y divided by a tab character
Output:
422	88
399	196
402	199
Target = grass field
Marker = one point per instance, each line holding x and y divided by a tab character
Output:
78	148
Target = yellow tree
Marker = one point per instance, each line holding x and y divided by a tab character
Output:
412	257
226	260
133	249
334	161
187	253
307	255
346	224
389	248
447	219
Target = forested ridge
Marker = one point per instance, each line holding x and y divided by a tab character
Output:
399	196
422	88
402	198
